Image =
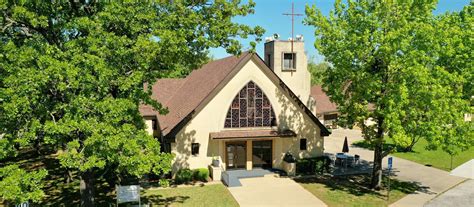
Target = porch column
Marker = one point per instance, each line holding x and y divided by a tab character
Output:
222	154
249	155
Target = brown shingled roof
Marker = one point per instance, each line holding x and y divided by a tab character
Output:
163	90
184	96
323	103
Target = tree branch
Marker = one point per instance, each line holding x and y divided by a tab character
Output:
387	152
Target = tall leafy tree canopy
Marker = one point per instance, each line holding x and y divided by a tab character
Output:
72	73
392	56
317	72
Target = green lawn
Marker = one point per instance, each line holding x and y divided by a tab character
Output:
353	191
207	195
60	193
437	158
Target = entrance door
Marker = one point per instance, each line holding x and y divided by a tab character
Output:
262	153
236	155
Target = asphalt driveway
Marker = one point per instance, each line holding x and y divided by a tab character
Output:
273	191
460	196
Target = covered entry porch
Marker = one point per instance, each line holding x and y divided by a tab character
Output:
249	149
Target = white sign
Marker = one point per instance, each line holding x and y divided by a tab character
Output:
25	204
128	193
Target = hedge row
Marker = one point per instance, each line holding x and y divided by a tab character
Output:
187	175
312	166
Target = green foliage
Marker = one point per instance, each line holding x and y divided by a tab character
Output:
18	185
72	73
455	55
164	183
201	174
312	166
184	176
317	72
389	54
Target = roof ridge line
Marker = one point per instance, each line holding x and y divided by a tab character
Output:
233	68
186	79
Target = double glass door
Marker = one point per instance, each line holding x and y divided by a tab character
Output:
262	153
236	155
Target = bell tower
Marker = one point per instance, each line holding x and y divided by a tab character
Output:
287	58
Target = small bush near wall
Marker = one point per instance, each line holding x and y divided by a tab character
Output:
184	176
164	183
187	175
201	174
312	166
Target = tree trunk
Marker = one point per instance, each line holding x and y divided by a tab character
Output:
87	189
37	146
68	176
451	168
376	182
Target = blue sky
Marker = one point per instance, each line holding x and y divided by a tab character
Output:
268	14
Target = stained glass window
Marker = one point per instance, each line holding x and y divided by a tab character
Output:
250	108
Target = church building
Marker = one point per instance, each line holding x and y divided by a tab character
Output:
243	111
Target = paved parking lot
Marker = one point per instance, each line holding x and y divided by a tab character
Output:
273	191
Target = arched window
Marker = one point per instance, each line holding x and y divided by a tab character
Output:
250	108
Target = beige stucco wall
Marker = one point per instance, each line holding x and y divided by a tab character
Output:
149	127
298	80
211	119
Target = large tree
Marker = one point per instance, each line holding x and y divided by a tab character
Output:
72	75
317	71
455	53
385	58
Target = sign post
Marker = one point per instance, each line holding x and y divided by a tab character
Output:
390	161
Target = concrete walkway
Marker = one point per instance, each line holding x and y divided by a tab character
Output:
231	178
431	180
273	191
460	196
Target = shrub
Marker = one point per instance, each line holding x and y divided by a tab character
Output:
319	167
184	176
164	183
312	166
201	174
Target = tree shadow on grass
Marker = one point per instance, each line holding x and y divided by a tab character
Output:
358	185
58	191
164	201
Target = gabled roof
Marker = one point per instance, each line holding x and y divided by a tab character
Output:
185	97
323	103
163	91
